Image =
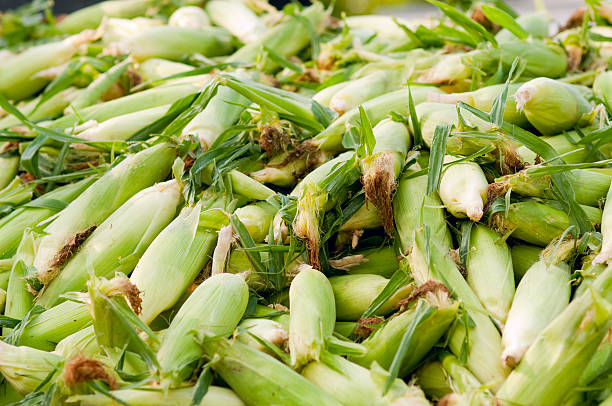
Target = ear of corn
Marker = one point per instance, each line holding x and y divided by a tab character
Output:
237	18
531	311
257	218
312	316
537	24
96	89
590	187
118	243
174	259
434	380
538	223
171	42
18	78
26	368
602	87
606	231
190	17
285	39
50	327
215	396
483	100
489	271
224	296
352	384
119	128
555	361
18	297
104	197
259	379
260	329
90	17
463	189
13	225
383	344
483	338
413	208
377	108
551	106
381	169
355	293
9	167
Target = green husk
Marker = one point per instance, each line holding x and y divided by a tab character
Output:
532	311
102	198
590	187
355	293
215	396
352	384
378	261
118	243
538	223
237	18
225	297
434	380
555	361
51	326
413	208
312	315
257	218
477	341
91	17
602	87
174	259
18	78
376	109
285	39
13	225
176	43
552	106
523	257
261	380
383	344
82	342
96	89
565	144
365	88
463	189
26	368
267	330
19	297
489	271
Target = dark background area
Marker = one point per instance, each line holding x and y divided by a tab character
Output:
66	6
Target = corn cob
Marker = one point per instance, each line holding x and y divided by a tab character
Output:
355	293
90	17
463	189
550	368
224	296
118	243
259	379
190	17
552	106
14	224
489	271
174	258
352	384
538	223
90	208
606	232
18	78
384	343
381	169
312	315
215	396
237	18
531	311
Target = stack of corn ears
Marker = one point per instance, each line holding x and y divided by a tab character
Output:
223	203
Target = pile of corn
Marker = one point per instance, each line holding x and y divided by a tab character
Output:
230	204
